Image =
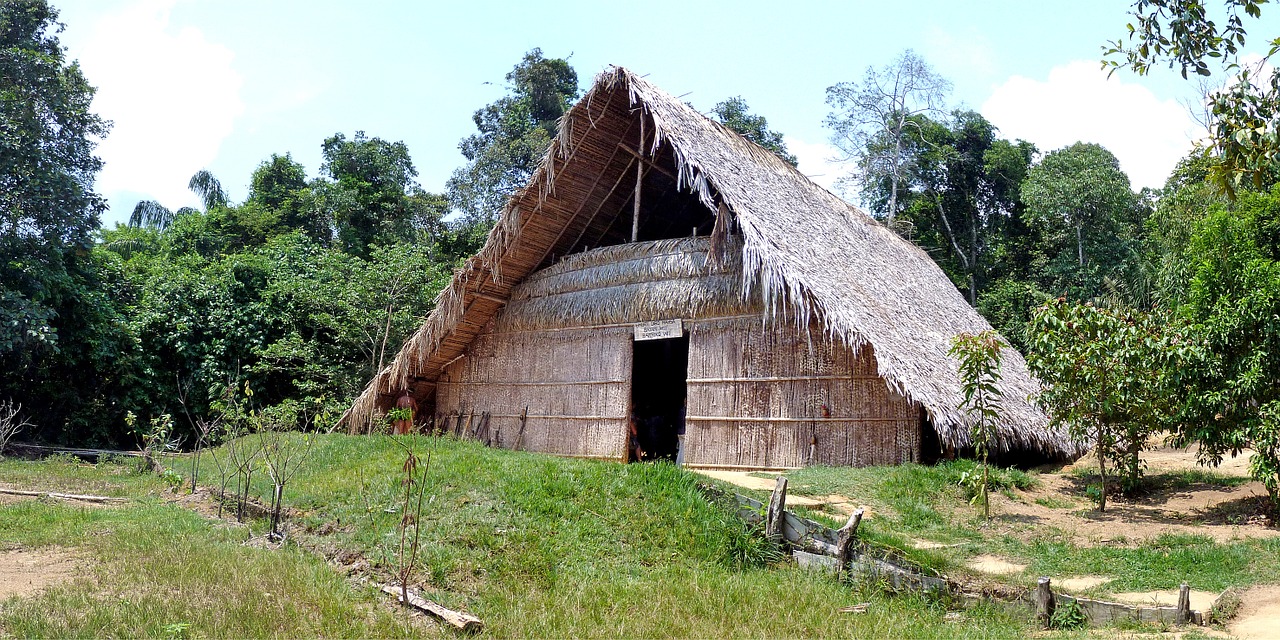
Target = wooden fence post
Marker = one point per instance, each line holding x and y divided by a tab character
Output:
844	540
773	518
1183	615
1044	601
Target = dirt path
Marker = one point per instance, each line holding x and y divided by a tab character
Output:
25	572
1178	504
1259	615
749	480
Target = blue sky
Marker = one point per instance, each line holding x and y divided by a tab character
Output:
223	84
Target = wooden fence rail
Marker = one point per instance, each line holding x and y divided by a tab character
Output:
816	545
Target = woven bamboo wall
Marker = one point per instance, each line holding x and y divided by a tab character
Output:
575	383
771	397
759	395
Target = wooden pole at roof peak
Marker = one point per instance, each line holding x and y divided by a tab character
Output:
635	212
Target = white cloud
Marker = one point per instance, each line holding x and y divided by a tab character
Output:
970	55
1078	103
172	95
817	161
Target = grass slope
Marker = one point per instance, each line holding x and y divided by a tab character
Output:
536	546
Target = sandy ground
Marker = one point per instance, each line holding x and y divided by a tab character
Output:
1222	513
1259	615
751	480
25	572
1058	507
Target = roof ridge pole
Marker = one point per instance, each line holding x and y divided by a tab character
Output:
635	213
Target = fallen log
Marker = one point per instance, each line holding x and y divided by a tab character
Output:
463	621
61	496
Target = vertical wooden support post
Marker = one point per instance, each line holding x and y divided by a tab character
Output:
844	540
635	213
1183	615
777	506
524	417
1044	601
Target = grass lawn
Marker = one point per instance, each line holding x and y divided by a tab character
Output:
926	502
535	546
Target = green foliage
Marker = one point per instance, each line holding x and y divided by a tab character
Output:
958	197
373	198
512	136
1232	307
1087	219
1068	615
979	359
1106	379
735	114
1183	33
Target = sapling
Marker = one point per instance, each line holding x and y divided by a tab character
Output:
979	357
415	487
283	455
206	432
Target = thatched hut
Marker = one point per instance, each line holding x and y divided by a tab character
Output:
662	271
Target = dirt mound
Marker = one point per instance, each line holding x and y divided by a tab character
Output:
25	572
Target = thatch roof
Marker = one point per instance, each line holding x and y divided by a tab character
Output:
805	252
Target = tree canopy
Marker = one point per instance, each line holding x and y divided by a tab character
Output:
513	133
735	114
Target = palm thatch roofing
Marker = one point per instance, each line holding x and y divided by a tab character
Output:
805	252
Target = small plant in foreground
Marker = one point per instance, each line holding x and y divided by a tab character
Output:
979	357
155	440
283	452
1068	615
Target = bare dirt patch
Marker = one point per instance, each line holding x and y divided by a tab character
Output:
25	572
1223	511
1080	583
995	565
1259	614
750	480
1200	600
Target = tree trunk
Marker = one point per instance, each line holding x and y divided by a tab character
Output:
1080	244
894	173
1102	470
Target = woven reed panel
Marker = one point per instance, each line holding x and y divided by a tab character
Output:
774	396
575	384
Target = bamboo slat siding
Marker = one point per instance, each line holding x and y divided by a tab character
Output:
759	393
773	390
579	405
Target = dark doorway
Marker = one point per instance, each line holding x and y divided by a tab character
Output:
658	373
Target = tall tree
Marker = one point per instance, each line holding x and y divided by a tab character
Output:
513	135
373	196
959	197
48	209
884	105
1088	218
735	114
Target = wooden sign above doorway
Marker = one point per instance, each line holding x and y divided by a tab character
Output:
660	330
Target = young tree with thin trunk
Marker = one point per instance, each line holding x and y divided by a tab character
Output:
979	356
